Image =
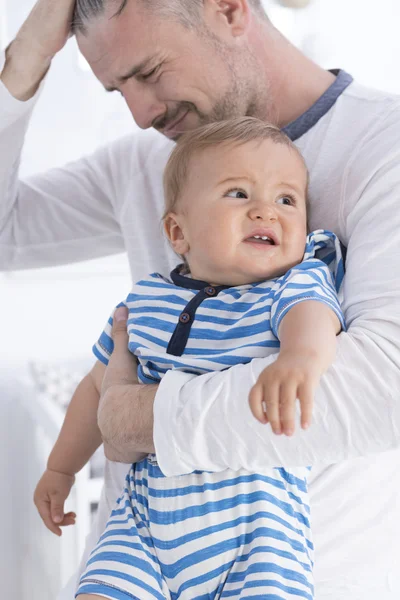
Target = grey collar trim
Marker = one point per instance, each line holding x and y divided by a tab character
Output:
307	120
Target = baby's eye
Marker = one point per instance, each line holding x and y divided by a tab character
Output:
287	200
236	193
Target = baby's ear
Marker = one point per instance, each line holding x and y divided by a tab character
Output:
175	234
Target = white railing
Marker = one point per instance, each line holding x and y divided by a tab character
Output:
33	562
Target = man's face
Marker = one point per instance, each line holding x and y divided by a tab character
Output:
172	78
234	197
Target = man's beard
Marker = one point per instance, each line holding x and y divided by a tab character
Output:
230	106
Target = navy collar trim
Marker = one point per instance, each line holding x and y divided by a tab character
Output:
307	120
192	284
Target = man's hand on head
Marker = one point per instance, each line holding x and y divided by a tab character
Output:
126	407
43	34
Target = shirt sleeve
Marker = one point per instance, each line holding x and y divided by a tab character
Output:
310	280
65	215
104	346
14	120
205	422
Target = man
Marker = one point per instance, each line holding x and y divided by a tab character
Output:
178	65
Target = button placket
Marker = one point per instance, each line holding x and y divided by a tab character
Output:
210	291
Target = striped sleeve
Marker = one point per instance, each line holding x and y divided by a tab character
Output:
104	346
310	280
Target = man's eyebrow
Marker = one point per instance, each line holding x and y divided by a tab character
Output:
131	73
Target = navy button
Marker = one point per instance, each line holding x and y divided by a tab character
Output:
210	291
184	318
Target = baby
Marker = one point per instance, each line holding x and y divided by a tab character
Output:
250	284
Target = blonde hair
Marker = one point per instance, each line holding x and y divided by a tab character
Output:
235	131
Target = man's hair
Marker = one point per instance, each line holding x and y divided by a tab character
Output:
186	12
233	132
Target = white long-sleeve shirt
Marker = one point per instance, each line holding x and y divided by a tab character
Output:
351	142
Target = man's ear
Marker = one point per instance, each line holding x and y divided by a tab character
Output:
235	14
175	234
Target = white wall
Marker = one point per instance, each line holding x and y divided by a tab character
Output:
360	36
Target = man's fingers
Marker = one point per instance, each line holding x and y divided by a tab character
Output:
119	330
121	369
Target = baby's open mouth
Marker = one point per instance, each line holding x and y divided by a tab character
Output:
261	239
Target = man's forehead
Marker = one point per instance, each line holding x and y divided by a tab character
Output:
117	47
114	34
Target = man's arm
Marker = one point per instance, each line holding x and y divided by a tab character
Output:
125	415
66	214
126	420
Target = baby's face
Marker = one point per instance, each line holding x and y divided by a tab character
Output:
243	213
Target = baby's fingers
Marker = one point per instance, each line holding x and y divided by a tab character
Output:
306	398
271	401
57	507
256	401
287	398
43	506
69	519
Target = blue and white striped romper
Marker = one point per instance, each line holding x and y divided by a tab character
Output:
231	534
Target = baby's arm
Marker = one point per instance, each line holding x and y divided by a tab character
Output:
78	440
307	336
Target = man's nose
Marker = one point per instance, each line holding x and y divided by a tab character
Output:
143	104
263	211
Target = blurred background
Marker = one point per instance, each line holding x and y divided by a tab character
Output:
41	360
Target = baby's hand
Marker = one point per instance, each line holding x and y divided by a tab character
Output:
50	494
273	398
